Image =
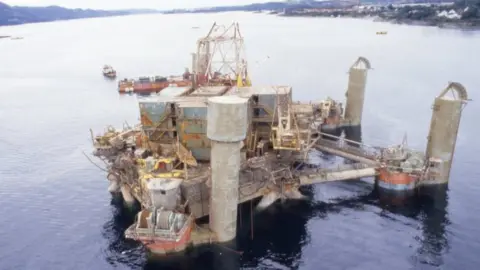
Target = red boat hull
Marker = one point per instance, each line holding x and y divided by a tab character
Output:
150	87
163	247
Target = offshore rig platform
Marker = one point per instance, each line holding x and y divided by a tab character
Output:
203	149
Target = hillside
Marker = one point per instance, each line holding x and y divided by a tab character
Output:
12	15
284	5
251	7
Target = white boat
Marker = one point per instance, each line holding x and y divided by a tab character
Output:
109	72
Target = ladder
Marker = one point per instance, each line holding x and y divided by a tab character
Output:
252	141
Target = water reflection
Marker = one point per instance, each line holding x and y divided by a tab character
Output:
434	217
121	251
279	233
429	207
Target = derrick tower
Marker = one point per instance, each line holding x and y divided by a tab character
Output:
220	57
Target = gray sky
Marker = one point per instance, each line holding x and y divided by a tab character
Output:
120	4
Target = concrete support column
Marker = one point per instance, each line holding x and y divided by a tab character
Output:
447	111
226	128
355	98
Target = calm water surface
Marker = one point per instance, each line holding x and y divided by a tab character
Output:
57	214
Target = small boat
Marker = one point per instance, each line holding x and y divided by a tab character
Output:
109	72
16	38
382	33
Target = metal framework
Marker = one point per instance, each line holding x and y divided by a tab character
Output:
221	54
291	128
456	91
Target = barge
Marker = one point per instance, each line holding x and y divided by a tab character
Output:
154	84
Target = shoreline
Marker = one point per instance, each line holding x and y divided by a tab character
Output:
458	25
375	16
447	16
461	25
20	15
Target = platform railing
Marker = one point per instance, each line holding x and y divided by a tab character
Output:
347	146
338	168
165	235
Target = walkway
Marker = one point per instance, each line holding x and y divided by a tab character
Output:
348	149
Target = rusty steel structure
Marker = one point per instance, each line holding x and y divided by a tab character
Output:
220	56
201	150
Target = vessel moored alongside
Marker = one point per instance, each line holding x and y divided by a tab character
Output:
126	86
147	85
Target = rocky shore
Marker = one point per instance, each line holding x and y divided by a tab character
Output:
455	15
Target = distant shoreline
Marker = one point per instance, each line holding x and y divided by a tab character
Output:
456	15
460	25
452	15
415	15
470	24
69	19
17	15
444	25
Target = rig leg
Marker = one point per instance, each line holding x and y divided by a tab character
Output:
295	194
447	112
114	186
353	133
355	98
226	128
395	188
334	131
267	200
127	195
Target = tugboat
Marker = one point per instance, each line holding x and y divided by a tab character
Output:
109	72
